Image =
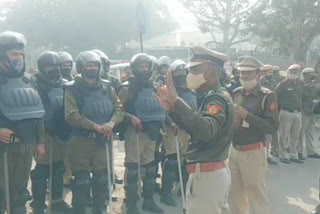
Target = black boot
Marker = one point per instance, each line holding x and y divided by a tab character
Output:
300	156
132	188
39	177
99	191
168	178
59	205
148	190
80	187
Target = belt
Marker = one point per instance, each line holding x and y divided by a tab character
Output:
291	110
249	147
206	167
89	134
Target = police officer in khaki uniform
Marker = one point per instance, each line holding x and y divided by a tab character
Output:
210	128
49	83
172	134
290	92
92	109
311	93
269	82
142	123
256	111
20	121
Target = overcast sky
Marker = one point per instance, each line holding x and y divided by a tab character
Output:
180	14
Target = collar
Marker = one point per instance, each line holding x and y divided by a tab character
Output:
255	90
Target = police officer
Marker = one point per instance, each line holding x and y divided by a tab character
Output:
155	67
269	82
66	65
210	127
143	120
256	111
276	74
172	133
20	120
49	83
290	92
311	93
67	78
105	68
164	65
235	83
92	109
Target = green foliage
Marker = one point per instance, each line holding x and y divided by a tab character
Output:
222	18
286	26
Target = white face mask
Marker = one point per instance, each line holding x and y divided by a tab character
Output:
195	81
293	76
250	84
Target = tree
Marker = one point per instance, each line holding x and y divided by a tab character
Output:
75	25
287	26
221	18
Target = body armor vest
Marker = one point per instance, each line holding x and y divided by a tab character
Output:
147	107
20	106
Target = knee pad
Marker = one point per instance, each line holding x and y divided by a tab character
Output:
150	170
81	180
132	173
100	179
40	172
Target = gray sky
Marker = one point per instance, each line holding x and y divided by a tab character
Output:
179	13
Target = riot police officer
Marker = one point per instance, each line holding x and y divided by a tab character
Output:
172	134
66	65
92	109
164	65
20	122
143	120
49	83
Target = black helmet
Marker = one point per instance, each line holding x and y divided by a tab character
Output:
10	40
86	57
104	59
48	58
140	59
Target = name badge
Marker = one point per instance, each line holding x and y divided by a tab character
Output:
245	124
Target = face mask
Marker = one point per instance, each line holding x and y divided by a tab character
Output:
180	80
65	72
195	81
91	74
54	75
17	65
269	77
293	76
248	85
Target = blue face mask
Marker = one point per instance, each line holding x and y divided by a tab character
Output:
17	65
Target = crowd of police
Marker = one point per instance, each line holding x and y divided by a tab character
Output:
212	136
